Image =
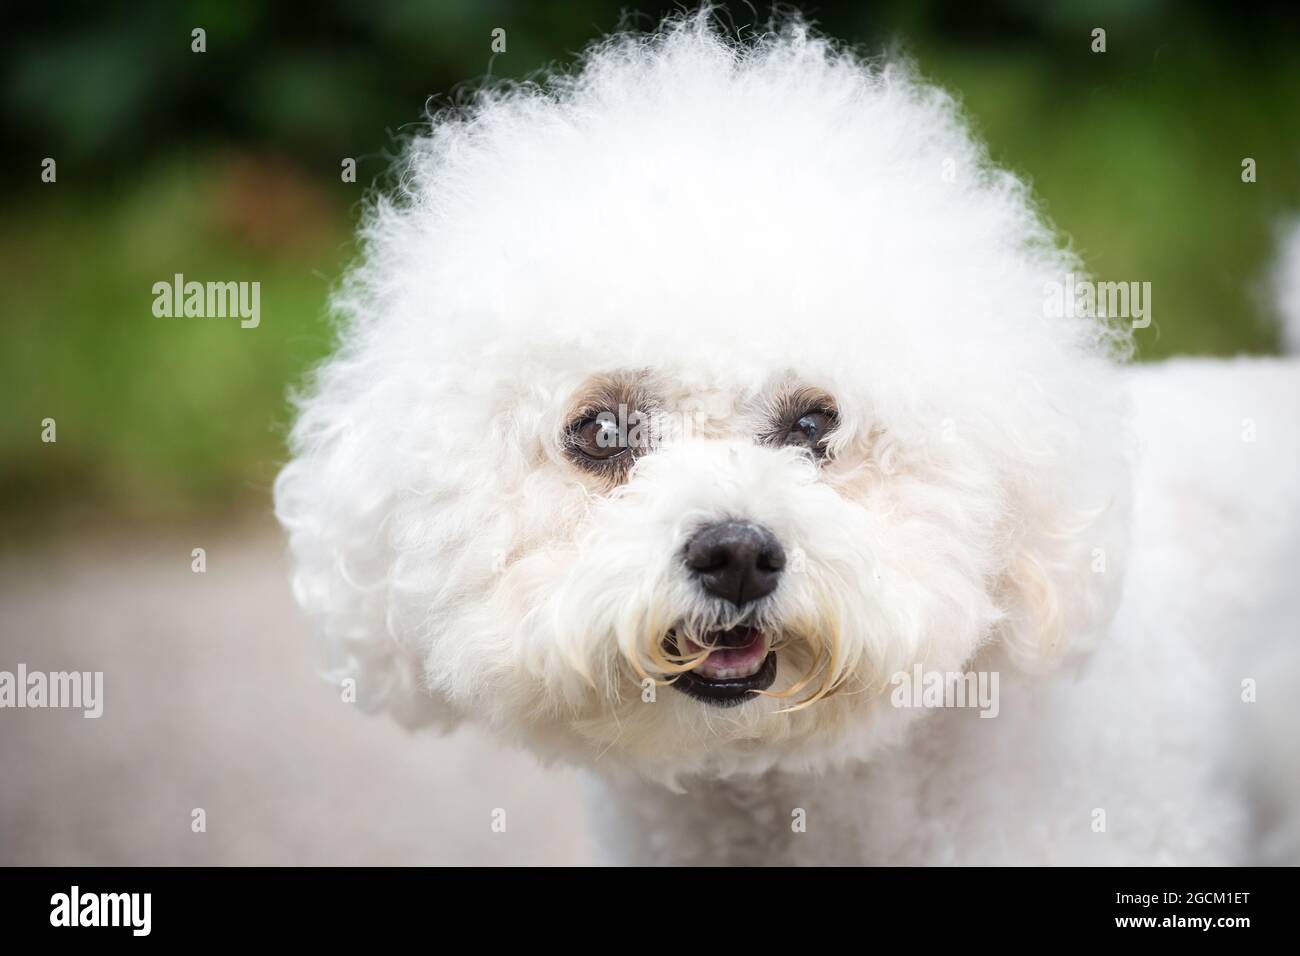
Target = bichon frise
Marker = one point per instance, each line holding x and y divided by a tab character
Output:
702	417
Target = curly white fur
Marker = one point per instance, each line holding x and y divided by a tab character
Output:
725	221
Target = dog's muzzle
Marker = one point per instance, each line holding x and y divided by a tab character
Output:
740	562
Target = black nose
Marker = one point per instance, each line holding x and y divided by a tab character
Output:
737	560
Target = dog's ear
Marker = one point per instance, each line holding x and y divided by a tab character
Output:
336	500
1067	541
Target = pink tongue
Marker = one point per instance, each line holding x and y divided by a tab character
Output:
724	662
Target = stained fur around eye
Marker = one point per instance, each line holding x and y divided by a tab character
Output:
801	417
610	424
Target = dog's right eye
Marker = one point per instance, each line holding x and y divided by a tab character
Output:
598	438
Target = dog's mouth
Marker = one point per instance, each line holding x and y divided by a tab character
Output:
740	661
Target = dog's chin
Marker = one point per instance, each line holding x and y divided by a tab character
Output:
740	663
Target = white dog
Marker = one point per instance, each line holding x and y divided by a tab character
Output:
701	418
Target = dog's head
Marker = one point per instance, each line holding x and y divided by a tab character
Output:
686	400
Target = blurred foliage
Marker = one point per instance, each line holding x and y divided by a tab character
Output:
155	414
225	165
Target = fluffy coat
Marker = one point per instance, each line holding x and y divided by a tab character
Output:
709	228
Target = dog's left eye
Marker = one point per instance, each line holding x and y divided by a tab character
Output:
809	431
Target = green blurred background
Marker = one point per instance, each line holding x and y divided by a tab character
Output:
226	165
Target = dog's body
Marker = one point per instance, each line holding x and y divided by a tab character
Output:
775	413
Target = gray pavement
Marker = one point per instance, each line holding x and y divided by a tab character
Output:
211	701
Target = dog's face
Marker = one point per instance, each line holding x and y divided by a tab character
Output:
695	567
683	483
